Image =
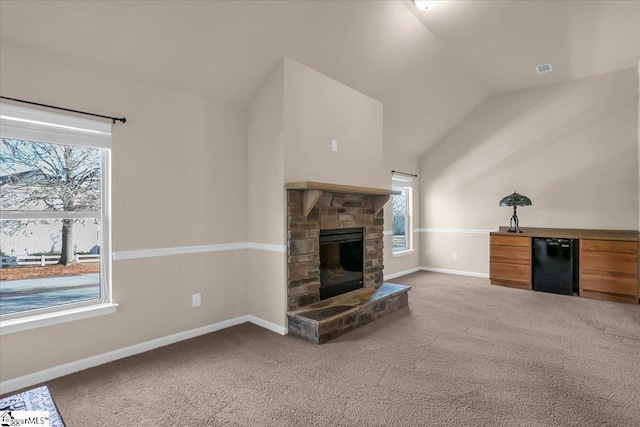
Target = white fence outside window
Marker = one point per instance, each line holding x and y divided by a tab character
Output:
42	260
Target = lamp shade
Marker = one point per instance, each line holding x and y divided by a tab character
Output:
515	199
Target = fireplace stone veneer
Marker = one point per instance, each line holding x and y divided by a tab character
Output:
331	210
331	318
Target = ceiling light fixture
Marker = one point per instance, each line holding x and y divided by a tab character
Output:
425	4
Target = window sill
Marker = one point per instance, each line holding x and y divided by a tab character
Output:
33	322
403	253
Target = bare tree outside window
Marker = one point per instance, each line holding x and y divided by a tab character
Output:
49	177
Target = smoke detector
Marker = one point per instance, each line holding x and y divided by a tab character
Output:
544	69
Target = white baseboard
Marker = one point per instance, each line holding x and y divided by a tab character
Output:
90	362
436	270
267	325
458	272
401	273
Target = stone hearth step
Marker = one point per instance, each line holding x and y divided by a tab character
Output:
330	318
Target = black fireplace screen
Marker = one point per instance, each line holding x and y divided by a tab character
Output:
341	261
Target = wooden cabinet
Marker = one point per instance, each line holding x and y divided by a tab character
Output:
510	261
609	262
609	270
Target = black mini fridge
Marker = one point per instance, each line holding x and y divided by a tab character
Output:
554	265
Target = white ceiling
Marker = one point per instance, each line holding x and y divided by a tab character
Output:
430	71
503	41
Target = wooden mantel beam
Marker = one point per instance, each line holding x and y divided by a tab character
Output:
312	191
337	188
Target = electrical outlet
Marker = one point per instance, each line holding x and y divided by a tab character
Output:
196	300
334	145
454	256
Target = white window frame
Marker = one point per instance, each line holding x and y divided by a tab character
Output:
31	125
404	183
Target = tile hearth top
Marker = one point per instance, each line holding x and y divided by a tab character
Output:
340	306
325	320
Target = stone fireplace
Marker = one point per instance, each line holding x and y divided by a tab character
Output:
313	213
335	262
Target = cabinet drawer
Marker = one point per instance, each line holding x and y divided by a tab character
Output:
611	246
511	241
511	254
614	283
609	261
510	272
609	297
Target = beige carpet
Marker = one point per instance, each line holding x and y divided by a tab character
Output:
463	353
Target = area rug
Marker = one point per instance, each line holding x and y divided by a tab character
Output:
37	399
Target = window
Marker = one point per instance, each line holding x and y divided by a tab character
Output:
54	212
402	225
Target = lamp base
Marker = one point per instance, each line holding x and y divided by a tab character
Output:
514	223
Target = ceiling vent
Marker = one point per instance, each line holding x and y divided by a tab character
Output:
543	69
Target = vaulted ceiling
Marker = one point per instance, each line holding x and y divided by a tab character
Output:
430	69
503	41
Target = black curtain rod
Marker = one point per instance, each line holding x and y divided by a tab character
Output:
404	173
123	120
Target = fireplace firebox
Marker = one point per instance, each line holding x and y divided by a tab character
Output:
341	261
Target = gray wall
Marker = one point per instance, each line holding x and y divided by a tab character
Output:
572	148
172	164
